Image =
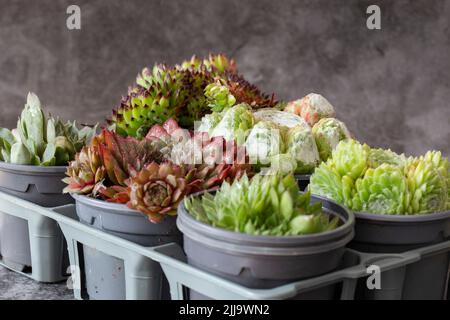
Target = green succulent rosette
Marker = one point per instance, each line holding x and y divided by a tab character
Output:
376	157
235	124
218	97
328	132
327	182
302	147
427	184
383	190
268	205
350	158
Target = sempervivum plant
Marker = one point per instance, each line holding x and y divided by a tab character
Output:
383	182
264	205
184	92
140	173
40	140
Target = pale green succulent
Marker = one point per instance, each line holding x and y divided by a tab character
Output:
302	147
350	158
41	141
327	182
328	132
265	205
427	184
383	190
376	157
383	182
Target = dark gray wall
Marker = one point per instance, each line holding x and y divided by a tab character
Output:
392	87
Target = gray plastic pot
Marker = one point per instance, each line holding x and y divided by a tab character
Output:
40	185
426	279
302	180
104	274
266	261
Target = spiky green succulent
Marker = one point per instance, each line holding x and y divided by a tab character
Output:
40	140
185	93
327	182
265	205
350	158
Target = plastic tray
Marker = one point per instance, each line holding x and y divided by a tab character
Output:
139	284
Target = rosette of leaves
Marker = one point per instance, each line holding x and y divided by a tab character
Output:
427	178
302	146
109	161
328	132
265	205
350	158
40	140
376	157
383	190
327	182
218	96
157	189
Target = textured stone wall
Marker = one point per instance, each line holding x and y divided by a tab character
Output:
392	86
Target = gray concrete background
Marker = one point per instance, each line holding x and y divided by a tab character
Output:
391	87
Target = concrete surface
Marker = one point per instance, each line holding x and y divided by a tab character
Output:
391	86
14	286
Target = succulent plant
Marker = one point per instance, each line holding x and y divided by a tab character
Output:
327	182
427	184
179	92
383	190
110	160
376	157
264	205
350	158
327	133
383	182
42	141
264	141
157	189
218	96
302	146
312	108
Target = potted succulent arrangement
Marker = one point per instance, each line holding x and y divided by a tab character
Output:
400	203
179	130
294	140
141	167
33	162
262	232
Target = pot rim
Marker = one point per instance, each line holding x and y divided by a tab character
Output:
186	220
110	206
305	176
12	167
397	218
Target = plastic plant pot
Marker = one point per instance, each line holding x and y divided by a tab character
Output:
302	180
40	185
263	262
105	274
426	279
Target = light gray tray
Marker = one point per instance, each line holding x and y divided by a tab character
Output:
140	284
